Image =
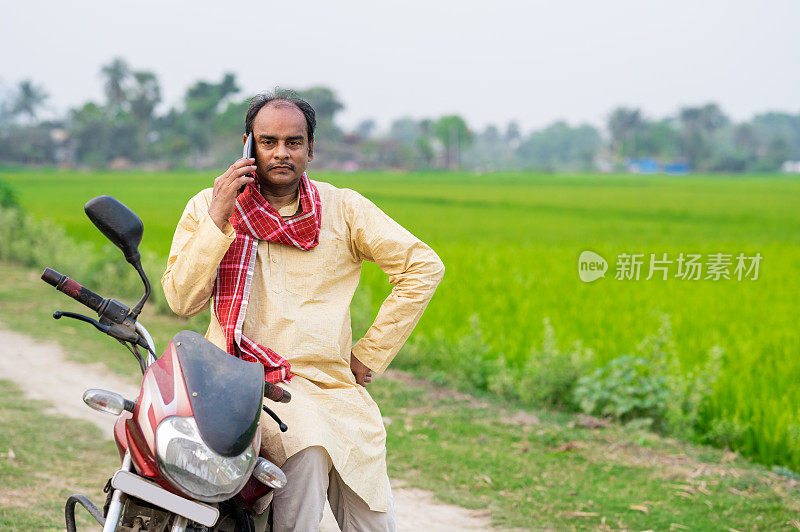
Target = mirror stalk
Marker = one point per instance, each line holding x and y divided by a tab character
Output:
138	308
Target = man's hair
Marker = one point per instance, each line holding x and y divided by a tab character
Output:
279	96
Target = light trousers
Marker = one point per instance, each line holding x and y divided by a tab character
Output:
310	478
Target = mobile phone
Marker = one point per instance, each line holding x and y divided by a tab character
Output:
248	152
248	146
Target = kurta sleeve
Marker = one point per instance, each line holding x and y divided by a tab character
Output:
197	249
413	268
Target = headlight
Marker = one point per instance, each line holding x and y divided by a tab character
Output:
186	460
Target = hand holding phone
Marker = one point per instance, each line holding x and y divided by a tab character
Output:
227	188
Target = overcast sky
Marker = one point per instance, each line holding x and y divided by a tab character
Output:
491	62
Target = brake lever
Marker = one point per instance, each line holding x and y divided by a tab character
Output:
120	332
274	416
57	315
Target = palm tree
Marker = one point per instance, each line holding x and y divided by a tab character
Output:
145	96
116	74
29	99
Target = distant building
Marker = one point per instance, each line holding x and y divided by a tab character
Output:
791	167
676	168
648	165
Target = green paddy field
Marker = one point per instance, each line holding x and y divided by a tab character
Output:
511	242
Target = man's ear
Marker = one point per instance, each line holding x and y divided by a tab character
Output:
244	138
311	151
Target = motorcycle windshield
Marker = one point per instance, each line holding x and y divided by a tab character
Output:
225	392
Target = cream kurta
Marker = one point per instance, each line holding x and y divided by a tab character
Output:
300	307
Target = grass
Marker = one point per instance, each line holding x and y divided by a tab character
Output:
510	243
551	471
53	458
528	469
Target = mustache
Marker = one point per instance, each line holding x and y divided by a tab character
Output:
275	165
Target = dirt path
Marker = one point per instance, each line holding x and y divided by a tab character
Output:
42	371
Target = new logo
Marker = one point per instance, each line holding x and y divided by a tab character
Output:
591	266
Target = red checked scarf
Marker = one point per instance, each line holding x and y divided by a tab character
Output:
255	219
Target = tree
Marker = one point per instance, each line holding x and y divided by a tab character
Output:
424	151
409	144
698	124
203	99
144	96
561	147
324	102
745	143
405	130
116	75
770	126
513	136
712	118
623	123
654	139
6	105
491	135
365	129
777	153
202	104
92	130
489	151
453	133
28	100
328	137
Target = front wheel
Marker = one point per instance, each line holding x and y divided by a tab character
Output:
234	519
83	500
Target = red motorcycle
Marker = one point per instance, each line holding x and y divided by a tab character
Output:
189	444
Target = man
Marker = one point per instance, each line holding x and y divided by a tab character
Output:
279	264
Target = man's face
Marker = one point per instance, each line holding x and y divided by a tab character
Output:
280	140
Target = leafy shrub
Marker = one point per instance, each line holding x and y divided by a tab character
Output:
464	364
652	385
546	378
688	392
37	243
723	432
550	374
474	363
503	380
626	388
8	196
785	472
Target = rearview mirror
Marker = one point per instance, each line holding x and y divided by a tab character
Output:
120	224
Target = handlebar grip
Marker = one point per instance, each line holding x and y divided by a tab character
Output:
276	393
73	289
51	276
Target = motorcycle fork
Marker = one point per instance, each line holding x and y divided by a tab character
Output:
117	499
179	523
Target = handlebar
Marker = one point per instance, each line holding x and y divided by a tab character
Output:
73	289
276	393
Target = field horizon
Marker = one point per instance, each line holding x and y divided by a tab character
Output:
511	243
